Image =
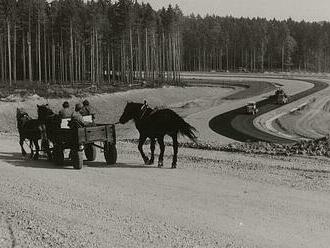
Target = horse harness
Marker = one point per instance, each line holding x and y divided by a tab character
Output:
144	109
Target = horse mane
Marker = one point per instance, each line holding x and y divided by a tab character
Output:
44	111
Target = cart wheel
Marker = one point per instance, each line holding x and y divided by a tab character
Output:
77	159
50	156
58	155
90	152
110	153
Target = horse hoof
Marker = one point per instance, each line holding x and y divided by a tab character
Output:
160	164
35	157
146	161
173	165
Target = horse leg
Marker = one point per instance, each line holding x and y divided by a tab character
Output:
152	149
140	147
175	150
31	148
36	144
21	142
45	148
162	150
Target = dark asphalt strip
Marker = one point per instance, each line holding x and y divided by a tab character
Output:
238	125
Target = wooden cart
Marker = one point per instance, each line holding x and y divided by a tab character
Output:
84	140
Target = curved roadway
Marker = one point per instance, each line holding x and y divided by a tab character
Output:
238	125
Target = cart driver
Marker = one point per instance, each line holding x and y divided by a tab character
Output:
65	112
87	109
77	118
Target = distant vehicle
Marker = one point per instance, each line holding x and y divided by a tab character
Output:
251	108
281	97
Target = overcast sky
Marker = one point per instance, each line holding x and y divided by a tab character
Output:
308	10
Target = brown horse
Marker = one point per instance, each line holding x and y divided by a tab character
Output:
155	124
31	129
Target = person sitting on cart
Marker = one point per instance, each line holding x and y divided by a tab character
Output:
87	109
65	112
77	118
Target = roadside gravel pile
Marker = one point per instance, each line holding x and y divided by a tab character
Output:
317	147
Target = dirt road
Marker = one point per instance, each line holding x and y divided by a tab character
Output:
213	199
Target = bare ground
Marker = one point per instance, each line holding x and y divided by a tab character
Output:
212	200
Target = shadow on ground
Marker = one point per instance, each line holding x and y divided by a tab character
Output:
16	159
100	164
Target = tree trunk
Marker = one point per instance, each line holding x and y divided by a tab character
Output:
97	72
283	58
15	54
71	53
53	61
139	56
108	64
113	69
9	53
262	55
45	54
163	56
2	58
39	50
23	56
146	71
92	57
76	59
254	59
227	58
130	55
82	61
30	54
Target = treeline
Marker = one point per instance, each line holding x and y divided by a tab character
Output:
233	44
88	41
74	41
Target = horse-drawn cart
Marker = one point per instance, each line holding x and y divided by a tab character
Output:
84	140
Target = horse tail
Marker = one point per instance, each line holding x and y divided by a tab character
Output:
187	130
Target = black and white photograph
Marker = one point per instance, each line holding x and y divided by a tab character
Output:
164	124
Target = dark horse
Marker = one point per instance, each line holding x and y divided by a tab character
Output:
51	121
155	124
30	129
